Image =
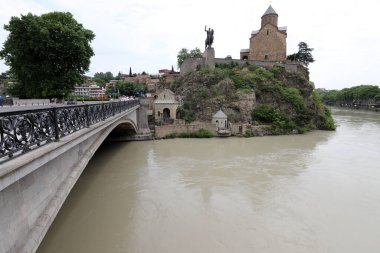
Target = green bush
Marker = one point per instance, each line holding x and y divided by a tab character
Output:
326	121
170	136
248	134
293	97
201	133
317	100
265	114
262	74
281	124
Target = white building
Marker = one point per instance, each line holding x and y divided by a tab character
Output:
90	91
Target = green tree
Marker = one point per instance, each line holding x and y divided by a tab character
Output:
128	88
184	53
364	94
47	54
102	78
303	55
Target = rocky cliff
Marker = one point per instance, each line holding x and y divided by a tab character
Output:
252	94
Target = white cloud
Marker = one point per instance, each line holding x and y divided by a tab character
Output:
147	34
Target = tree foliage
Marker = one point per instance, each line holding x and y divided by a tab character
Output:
102	78
128	88
357	94
280	122
48	54
184	53
303	55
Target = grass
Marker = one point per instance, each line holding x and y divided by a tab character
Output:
201	133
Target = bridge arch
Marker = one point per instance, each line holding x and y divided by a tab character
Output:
123	129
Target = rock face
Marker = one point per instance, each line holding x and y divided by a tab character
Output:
203	96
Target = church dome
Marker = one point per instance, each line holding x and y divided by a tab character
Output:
270	11
269	17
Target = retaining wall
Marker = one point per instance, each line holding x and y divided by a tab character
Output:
162	131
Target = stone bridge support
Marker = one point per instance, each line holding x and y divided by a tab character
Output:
34	186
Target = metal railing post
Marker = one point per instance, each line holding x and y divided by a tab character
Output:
56	128
87	115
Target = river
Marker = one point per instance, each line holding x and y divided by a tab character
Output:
317	192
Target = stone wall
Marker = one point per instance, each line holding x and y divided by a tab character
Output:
162	131
288	65
269	19
268	45
191	64
250	130
237	129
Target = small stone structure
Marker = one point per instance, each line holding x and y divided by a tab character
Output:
220	120
165	107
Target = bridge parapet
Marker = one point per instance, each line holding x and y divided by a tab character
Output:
23	131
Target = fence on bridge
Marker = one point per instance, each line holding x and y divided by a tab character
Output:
22	131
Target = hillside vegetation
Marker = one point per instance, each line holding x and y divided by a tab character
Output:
363	94
252	94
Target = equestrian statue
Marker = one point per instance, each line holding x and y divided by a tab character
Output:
210	37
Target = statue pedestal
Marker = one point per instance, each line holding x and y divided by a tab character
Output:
209	56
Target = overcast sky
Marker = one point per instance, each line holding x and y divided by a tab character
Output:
147	34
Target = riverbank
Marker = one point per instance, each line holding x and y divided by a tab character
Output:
234	130
375	108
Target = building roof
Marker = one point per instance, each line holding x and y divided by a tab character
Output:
255	32
169	91
270	11
220	114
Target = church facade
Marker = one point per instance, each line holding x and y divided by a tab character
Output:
268	43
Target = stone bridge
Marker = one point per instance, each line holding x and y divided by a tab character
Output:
43	153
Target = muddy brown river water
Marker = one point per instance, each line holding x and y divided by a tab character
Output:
318	192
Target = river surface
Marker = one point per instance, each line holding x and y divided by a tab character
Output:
318	192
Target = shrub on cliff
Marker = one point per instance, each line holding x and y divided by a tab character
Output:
280	122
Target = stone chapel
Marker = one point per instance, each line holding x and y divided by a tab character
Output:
268	43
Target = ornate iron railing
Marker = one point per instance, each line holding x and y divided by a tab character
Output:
22	131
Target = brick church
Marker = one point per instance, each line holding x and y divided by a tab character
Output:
268	43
